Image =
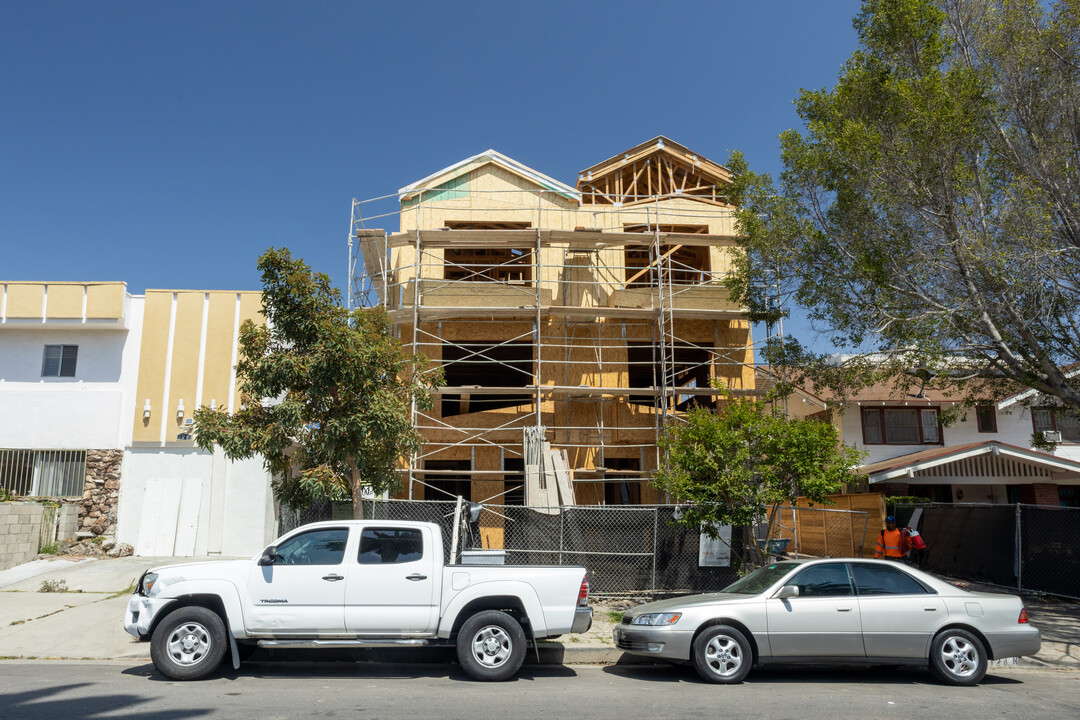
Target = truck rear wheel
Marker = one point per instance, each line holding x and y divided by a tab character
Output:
189	643
491	646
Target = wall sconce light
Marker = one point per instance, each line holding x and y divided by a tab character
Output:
146	408
180	408
213	404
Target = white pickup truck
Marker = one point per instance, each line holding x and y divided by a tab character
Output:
354	583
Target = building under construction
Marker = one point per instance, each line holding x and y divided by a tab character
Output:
572	323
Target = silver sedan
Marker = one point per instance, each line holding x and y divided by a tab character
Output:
835	610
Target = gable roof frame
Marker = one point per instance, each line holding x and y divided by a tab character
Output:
545	182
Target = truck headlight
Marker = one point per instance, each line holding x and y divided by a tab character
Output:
148	580
656	619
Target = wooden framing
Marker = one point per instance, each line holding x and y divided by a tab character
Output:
637	259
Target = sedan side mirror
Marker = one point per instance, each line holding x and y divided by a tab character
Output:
269	556
788	591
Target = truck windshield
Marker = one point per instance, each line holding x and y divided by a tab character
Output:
760	579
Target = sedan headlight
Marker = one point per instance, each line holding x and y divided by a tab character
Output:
656	619
148	580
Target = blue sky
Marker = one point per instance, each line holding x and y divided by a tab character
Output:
166	144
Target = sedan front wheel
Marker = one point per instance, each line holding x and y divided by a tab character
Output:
722	654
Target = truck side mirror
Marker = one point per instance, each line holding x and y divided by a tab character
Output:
269	556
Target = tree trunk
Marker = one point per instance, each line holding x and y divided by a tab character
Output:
357	491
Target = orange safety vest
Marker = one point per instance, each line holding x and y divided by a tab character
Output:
892	544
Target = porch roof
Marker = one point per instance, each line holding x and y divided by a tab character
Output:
988	462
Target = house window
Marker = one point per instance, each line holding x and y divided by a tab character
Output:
43	473
1069	495
901	426
1066	423
59	360
986	416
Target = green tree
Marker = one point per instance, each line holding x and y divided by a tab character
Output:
929	214
327	394
737	464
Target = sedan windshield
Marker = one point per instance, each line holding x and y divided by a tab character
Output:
760	579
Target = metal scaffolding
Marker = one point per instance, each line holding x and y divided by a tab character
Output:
594	336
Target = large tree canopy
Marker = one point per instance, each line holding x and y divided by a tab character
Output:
930	210
327	394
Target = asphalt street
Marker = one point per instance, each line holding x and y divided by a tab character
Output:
272	691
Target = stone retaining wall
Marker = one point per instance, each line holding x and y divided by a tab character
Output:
101	493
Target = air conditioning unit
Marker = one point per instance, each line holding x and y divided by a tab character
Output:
1053	436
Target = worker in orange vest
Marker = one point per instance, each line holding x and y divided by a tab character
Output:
893	543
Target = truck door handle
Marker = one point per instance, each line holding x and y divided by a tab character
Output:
333	578
416	576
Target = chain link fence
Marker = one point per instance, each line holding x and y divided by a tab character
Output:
638	551
1027	547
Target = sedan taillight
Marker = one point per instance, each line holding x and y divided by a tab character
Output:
1023	616
583	592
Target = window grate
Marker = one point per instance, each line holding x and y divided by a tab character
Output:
43	473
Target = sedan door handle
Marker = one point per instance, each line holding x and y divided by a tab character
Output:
333	578
416	576
843	609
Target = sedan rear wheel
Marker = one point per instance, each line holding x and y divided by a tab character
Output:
957	657
722	654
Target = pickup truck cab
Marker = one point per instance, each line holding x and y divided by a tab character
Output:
354	583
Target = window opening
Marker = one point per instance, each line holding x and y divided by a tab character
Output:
689	265
505	265
455	484
486	364
690	370
618	491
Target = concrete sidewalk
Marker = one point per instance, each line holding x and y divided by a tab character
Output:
86	621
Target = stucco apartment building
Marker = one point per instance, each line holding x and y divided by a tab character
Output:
572	322
97	390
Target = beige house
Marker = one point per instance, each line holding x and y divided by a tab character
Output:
572	323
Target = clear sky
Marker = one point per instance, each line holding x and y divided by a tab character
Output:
166	144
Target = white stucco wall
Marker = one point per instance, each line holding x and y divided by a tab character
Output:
1013	427
190	502
88	411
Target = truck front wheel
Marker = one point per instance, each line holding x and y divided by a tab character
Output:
189	643
491	646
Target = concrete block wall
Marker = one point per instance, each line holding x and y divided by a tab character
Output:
20	530
69	522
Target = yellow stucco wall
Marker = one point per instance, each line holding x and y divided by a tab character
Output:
198	321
